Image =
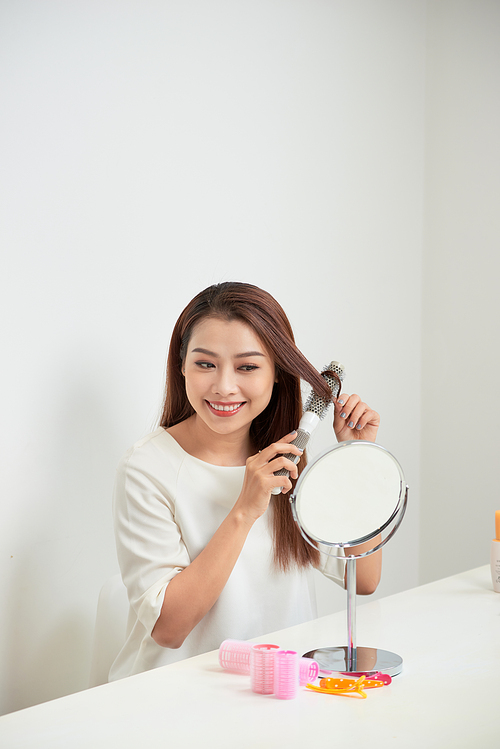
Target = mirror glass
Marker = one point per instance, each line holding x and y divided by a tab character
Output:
348	494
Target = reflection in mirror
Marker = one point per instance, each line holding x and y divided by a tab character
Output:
351	494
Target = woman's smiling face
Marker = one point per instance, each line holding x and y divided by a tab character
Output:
229	374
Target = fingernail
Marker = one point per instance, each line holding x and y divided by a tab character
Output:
294	431
351	424
359	426
341	402
342	415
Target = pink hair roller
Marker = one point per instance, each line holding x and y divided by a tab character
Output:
286	674
308	671
234	655
262	668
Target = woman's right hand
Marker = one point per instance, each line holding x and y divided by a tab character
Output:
260	480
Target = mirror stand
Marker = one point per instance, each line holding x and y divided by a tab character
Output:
355	490
351	659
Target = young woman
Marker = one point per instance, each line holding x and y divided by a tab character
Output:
205	553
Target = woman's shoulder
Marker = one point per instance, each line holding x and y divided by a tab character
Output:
156	448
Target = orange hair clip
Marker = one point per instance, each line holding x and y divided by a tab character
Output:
347	687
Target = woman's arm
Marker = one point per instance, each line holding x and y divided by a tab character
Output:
191	594
368	569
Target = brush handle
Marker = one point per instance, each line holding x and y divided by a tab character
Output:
300	441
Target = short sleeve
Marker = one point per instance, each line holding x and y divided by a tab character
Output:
333	568
149	544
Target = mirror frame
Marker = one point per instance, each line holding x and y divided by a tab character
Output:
396	516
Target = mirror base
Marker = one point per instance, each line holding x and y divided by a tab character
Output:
367	661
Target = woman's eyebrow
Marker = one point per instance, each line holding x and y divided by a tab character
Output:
248	353
216	356
204	351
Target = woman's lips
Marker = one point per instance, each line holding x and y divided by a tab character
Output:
225	409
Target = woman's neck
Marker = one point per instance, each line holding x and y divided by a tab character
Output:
198	440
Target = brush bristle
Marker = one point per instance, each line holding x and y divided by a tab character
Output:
333	374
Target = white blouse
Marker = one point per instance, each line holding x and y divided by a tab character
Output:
167	506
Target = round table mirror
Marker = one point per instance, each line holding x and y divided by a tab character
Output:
353	493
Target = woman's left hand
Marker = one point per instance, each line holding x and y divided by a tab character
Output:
354	420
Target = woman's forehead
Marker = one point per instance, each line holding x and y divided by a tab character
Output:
220	336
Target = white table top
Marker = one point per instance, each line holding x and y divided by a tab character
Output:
447	632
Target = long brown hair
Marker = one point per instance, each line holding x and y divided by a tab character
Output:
260	311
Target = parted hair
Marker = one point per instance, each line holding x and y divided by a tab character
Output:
261	312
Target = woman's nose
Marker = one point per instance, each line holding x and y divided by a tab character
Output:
225	383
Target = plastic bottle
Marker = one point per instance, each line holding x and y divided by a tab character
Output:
495	555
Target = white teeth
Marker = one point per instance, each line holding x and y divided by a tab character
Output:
225	408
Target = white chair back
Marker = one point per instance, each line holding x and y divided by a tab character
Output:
110	629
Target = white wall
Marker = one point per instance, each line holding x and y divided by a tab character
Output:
461	320
150	148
